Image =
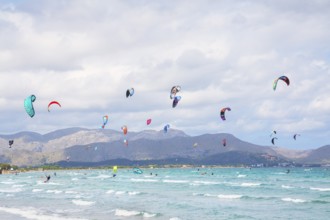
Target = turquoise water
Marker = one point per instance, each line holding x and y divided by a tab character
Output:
174	194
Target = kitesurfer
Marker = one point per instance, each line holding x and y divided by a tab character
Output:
48	178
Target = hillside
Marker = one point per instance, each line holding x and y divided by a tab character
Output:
79	145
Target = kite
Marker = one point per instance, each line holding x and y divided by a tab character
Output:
129	92
11	143
273	140
53	102
176	101
295	136
149	121
105	120
137	170
166	127
124	128
224	142
222	113
274	132
284	78
28	105
174	90
114	169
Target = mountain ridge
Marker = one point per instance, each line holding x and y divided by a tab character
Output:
97	145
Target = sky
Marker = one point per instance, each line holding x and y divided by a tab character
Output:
86	54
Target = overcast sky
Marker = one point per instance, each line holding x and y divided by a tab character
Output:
86	54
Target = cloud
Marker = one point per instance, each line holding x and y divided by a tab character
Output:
223	54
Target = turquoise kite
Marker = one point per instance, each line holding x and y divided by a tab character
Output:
29	106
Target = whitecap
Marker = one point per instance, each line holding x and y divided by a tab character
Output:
120	192
205	183
37	190
133	193
320	189
287	187
143	180
110	191
241	176
7	182
175	181
30	213
148	215
70	192
250	184
15	190
293	200
126	213
175	218
82	202
221	196
54	191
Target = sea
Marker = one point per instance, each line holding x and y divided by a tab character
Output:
167	194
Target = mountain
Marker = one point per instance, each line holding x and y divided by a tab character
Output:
317	156
102	146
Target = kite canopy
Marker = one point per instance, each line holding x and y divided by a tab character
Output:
274	132
176	101
222	113
273	140
28	105
124	128
149	121
129	92
295	136
224	142
11	143
105	120
284	78
137	170
114	169
52	103
166	127
174	90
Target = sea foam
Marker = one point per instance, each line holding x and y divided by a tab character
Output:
82	202
31	213
221	196
320	189
126	213
293	200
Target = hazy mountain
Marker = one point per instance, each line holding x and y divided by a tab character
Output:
79	145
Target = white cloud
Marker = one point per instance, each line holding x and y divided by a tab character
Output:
87	53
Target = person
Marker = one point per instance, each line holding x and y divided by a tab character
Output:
48	178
